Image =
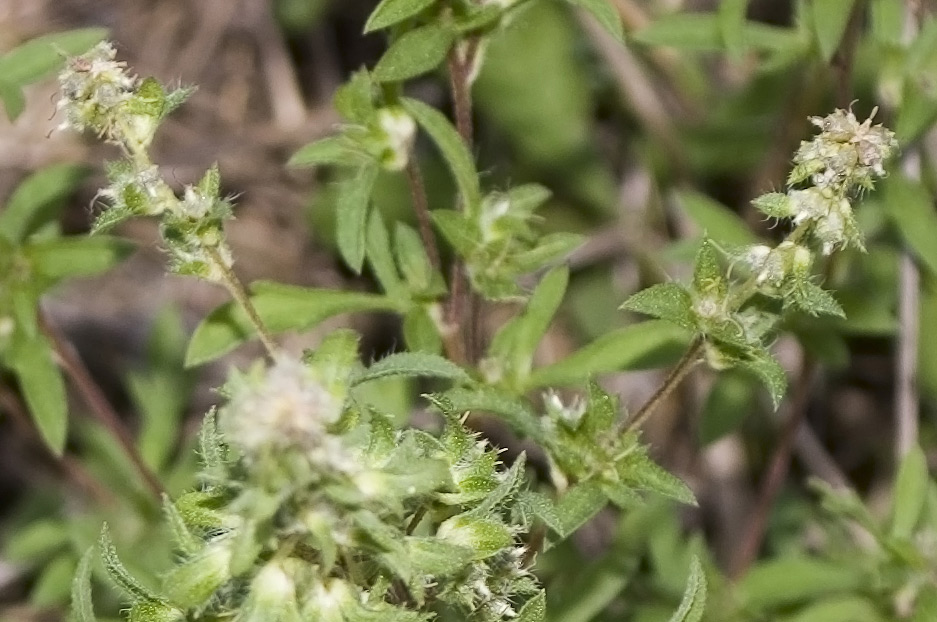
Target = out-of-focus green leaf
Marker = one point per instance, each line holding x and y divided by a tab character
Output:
911	208
852	608
552	134
43	388
730	400
416	52
887	20
910	493
53	586
534	610
590	591
606	13
281	308
390	12
700	32
38	199
335	150
731	25
791	580
715	219
78	256
828	20
579	504
648	344
42	56
36	541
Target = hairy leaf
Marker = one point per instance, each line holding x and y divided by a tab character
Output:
390	12
412	364
694	596
416	52
354	196
667	301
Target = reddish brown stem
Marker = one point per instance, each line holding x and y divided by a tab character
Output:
463	311
97	402
72	470
421	209
686	363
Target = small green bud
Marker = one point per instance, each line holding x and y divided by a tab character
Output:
484	536
155	612
192	583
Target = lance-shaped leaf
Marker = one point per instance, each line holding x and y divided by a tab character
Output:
416	52
390	12
607	15
119	575
534	610
82	607
60	258
38	199
454	150
694	596
412	364
281	308
43	387
354	196
770	372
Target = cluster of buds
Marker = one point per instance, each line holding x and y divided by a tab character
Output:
844	159
280	409
99	94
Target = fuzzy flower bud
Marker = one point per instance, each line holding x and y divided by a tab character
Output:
283	407
272	596
94	89
399	131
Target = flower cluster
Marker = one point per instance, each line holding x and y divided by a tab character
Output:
99	94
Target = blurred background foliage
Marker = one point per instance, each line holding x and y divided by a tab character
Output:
646	146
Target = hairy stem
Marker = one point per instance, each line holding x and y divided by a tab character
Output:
686	363
236	288
421	209
464	310
97	401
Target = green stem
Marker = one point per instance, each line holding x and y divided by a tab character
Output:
236	288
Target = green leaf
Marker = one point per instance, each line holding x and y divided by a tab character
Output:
815	300
887	20
354	196
36	541
538	505
638	471
52	586
534	610
44	390
450	144
911	208
700	32
354	100
786	581
436	557
579	504
381	259
910	493
708	277
550	248
37	200
846	607
583	595
771	374
694	596
731	26
420	332
415	52
513	410
457	229
484	536
61	258
730	400
390	12
42	56
14	102
774	205
82	606
514	345
412	364
829	20
667	301
640	346
281	308
334	150
715	219
119	575
414	263
185	540
606	13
